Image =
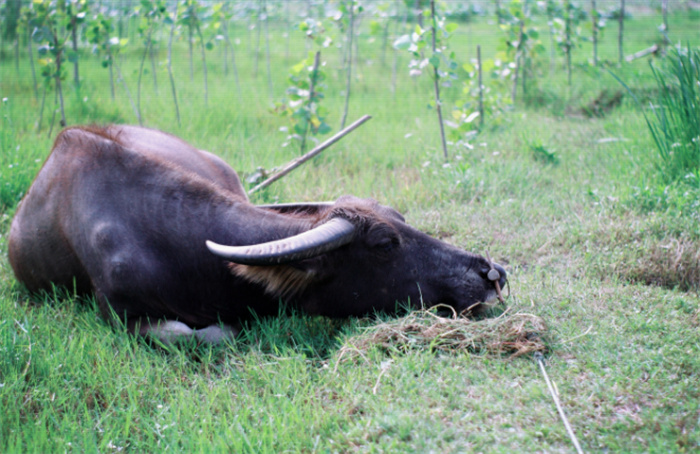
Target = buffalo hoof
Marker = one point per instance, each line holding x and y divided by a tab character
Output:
172	331
216	334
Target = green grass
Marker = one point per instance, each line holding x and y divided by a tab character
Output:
599	246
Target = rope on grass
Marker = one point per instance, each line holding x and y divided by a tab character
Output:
540	360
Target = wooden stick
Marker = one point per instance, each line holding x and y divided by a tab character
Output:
293	164
642	53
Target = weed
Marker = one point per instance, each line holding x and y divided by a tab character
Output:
676	121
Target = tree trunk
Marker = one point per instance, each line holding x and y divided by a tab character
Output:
111	74
204	67
170	67
153	68
621	22
481	88
267	52
349	65
31	62
189	30
594	18
436	82
143	61
312	86
74	37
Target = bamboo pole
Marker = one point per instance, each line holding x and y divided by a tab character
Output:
293	164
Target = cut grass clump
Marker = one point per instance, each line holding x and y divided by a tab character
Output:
649	250
674	263
507	335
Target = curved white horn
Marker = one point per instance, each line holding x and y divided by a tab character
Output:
326	237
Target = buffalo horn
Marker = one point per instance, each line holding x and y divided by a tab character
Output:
326	237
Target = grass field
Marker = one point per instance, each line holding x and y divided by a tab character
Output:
596	243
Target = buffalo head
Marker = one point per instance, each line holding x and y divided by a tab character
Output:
362	257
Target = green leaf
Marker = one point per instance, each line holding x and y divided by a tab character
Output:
451	27
435	61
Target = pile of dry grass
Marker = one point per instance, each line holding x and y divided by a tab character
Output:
507	335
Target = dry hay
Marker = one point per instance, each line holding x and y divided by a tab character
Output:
509	335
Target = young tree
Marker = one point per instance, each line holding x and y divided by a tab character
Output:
304	96
26	27
193	15
171	19
221	17
443	64
100	33
51	34
76	13
151	13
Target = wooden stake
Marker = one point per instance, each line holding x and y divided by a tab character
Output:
436	83
517	62
621	22
481	89
293	164
594	19
170	67
312	86
348	63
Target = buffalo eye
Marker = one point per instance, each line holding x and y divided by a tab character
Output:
382	238
387	244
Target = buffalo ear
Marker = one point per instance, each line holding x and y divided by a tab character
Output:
278	280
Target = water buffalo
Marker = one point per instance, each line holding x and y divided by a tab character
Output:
164	236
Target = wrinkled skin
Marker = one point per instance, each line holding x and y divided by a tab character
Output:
124	213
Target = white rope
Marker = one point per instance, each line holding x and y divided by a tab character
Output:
572	435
